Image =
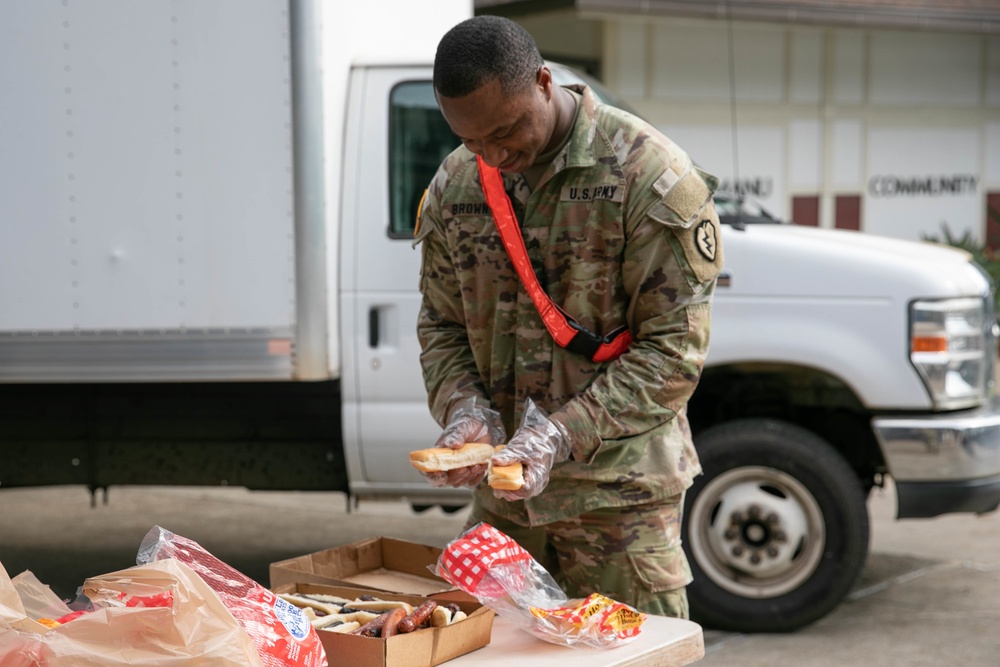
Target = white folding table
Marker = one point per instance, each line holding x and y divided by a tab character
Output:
663	642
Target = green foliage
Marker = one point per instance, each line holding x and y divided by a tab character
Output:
985	256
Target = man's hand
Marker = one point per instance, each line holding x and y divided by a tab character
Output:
472	421
538	444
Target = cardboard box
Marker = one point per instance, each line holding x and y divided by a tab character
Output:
422	648
380	563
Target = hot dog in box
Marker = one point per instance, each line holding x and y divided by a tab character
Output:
416	636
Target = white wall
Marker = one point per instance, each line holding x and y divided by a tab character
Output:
925	70
821	111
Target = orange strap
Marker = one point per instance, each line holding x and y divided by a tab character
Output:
565	330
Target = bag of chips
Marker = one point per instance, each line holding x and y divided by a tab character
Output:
489	565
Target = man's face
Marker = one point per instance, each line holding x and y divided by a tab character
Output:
508	131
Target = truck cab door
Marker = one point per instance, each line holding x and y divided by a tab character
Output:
396	138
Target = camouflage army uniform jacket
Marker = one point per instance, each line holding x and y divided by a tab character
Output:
620	229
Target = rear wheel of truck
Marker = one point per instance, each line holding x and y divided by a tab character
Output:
776	529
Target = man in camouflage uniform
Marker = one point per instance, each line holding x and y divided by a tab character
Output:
620	229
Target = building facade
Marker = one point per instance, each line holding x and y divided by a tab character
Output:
882	117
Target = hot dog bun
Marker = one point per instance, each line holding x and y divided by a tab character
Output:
506	478
440	459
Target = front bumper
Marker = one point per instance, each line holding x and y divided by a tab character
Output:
943	463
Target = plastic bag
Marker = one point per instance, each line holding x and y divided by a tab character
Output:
38	599
157	615
279	630
497	571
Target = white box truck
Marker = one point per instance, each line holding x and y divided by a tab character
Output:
207	277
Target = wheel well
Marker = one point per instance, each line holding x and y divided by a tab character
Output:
807	397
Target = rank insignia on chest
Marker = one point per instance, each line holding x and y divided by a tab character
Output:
583	193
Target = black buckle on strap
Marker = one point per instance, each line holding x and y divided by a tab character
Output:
586	342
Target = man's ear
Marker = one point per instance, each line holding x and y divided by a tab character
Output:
543	79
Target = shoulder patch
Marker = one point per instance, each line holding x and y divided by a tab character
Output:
683	196
706	239
420	214
425	220
702	245
688	197
686	206
667	180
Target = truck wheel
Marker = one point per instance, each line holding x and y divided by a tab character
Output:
776	528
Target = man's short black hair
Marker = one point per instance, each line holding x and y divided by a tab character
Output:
484	48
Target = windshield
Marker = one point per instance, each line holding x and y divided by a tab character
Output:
731	206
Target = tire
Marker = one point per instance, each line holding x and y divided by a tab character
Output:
776	529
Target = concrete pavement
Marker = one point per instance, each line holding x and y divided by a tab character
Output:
930	593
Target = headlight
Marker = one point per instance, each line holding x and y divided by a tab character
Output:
948	347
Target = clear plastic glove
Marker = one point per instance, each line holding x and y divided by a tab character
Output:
472	421
538	444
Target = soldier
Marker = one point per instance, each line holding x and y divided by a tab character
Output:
620	230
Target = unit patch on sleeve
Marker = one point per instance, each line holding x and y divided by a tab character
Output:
706	240
420	214
702	244
687	208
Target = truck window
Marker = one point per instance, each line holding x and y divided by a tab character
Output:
419	139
